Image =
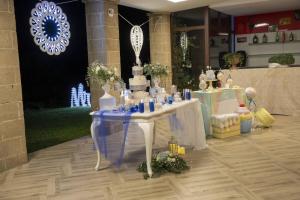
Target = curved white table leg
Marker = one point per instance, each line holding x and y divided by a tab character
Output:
96	144
148	134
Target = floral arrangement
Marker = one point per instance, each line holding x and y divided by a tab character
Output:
233	59
164	162
102	74
156	70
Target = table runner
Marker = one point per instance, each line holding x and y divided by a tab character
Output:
111	130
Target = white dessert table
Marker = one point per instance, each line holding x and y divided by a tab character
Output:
189	114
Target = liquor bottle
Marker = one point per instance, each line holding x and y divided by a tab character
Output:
255	39
277	38
265	38
291	37
283	37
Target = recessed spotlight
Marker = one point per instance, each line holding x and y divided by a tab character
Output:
223	34
176	1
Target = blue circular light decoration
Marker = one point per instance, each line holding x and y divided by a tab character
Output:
49	28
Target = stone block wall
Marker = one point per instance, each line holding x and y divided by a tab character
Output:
160	43
12	130
103	38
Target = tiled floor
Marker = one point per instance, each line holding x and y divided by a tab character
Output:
263	165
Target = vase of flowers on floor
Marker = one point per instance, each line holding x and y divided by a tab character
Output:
156	71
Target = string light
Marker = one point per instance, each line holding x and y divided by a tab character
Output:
49	28
184	44
79	97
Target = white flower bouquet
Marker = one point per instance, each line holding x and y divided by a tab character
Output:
101	74
156	70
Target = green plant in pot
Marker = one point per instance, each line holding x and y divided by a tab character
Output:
283	59
233	59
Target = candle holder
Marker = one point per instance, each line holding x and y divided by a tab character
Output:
173	145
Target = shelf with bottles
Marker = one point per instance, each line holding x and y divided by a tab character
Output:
265	43
281	37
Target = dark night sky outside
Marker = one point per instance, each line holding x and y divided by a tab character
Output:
47	80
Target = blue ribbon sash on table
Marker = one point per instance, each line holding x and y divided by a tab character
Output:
111	130
175	125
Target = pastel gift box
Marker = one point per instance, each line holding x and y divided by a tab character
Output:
225	125
246	126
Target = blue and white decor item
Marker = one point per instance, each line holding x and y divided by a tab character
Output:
109	132
184	44
49	28
139	81
80	98
137	40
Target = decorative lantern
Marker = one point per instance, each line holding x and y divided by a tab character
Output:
137	40
173	145
184	44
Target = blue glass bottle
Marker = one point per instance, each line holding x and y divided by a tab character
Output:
141	106
151	105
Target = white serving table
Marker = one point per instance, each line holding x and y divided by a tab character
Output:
189	114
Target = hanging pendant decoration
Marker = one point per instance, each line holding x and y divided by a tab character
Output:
49	28
184	44
137	39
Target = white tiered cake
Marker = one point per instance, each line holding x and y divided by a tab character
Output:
139	81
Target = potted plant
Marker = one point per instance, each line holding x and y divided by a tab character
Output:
233	59
281	60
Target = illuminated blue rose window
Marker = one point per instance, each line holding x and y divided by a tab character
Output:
49	28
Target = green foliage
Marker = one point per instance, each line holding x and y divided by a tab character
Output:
283	59
155	70
233	59
164	164
48	127
100	74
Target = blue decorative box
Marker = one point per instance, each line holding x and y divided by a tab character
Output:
246	126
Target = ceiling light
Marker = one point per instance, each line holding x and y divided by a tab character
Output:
261	25
223	34
176	1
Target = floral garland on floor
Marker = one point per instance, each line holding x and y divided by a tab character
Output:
164	162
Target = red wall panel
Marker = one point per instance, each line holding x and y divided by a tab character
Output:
242	23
